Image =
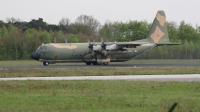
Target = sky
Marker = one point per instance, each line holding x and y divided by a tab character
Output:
52	11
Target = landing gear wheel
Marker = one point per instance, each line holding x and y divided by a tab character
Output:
99	63
45	63
94	63
88	63
105	63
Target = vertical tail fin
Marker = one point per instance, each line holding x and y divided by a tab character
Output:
158	33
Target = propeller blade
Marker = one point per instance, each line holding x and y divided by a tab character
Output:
104	52
65	40
93	53
88	40
101	39
90	45
54	40
103	45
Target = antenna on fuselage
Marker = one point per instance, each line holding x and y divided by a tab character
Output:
54	39
66	40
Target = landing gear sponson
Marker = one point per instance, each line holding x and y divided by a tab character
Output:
95	63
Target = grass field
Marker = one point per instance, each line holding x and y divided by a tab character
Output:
98	96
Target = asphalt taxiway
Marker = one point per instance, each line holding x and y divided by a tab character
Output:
185	77
179	78
100	66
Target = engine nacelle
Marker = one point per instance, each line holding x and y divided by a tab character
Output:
112	47
125	51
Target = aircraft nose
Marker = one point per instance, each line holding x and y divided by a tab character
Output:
35	55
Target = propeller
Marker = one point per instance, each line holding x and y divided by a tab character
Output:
103	45
90	46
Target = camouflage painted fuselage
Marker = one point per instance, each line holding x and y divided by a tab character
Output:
79	52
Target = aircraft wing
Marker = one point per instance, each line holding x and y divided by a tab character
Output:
119	45
130	44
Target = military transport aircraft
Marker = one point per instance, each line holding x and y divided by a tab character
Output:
97	53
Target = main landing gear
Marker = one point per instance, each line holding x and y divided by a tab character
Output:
95	63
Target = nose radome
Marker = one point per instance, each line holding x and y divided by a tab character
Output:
35	55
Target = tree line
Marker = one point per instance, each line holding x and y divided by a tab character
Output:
18	39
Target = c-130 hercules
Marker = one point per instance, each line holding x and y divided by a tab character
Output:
104	52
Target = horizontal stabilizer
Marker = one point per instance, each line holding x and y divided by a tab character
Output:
160	44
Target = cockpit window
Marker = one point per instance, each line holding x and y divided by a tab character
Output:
42	48
38	48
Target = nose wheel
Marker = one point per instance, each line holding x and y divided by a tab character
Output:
45	63
88	63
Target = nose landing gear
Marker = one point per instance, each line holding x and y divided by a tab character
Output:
45	63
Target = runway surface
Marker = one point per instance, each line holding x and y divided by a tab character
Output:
99	66
179	78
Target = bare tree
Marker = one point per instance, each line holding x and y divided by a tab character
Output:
12	20
64	24
89	22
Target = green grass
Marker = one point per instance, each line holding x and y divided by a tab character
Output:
135	61
98	96
98	71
